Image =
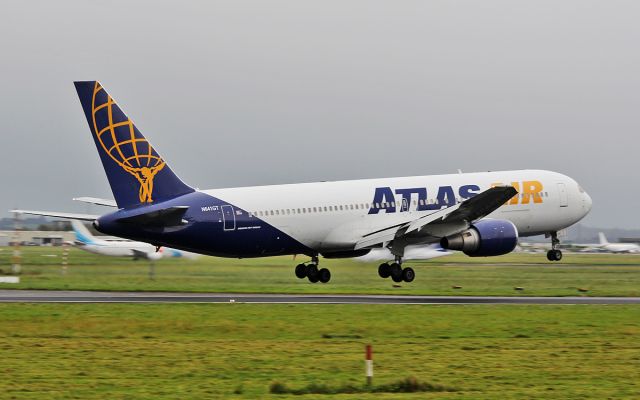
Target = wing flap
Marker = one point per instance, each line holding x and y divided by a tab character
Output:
385	235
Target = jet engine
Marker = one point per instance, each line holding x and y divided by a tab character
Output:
485	238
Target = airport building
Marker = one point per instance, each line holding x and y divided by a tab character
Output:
36	238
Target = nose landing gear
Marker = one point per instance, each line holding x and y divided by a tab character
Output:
555	254
311	272
396	272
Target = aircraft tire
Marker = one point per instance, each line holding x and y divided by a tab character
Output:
312	269
324	275
301	271
557	255
384	271
396	272
550	255
408	274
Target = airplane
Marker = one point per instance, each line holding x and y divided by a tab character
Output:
605	246
85	240
481	214
617	247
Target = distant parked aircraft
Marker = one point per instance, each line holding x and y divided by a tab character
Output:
616	247
121	247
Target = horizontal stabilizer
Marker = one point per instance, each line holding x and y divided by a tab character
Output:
97	201
166	217
81	217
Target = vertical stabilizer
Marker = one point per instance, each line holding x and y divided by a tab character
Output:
603	238
136	172
82	233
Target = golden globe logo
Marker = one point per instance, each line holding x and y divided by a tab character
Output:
131	152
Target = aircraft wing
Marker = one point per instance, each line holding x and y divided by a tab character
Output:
82	217
457	217
97	201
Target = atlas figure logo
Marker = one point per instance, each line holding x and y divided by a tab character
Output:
389	200
124	144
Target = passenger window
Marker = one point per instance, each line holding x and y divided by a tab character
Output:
314	209
340	208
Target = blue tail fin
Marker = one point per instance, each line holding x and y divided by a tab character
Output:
136	172
82	233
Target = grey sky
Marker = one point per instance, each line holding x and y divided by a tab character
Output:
242	93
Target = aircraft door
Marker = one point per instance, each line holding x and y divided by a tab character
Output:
228	217
562	193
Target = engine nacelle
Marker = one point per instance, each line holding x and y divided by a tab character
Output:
485	238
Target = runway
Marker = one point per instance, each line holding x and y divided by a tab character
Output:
66	296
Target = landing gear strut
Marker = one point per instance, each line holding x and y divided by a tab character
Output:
311	271
396	272
555	254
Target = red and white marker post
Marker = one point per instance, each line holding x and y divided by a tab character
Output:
368	363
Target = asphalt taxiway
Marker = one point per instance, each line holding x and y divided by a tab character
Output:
67	296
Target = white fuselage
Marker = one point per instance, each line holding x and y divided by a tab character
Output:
620	247
333	216
125	248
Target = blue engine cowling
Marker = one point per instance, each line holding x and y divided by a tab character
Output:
485	238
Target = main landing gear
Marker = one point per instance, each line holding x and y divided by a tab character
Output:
311	272
555	254
396	272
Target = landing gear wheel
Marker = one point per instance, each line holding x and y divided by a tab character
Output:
554	255
312	273
301	271
558	255
551	255
384	270
408	274
396	272
324	275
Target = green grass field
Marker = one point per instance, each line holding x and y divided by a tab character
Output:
198	351
600	274
209	351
